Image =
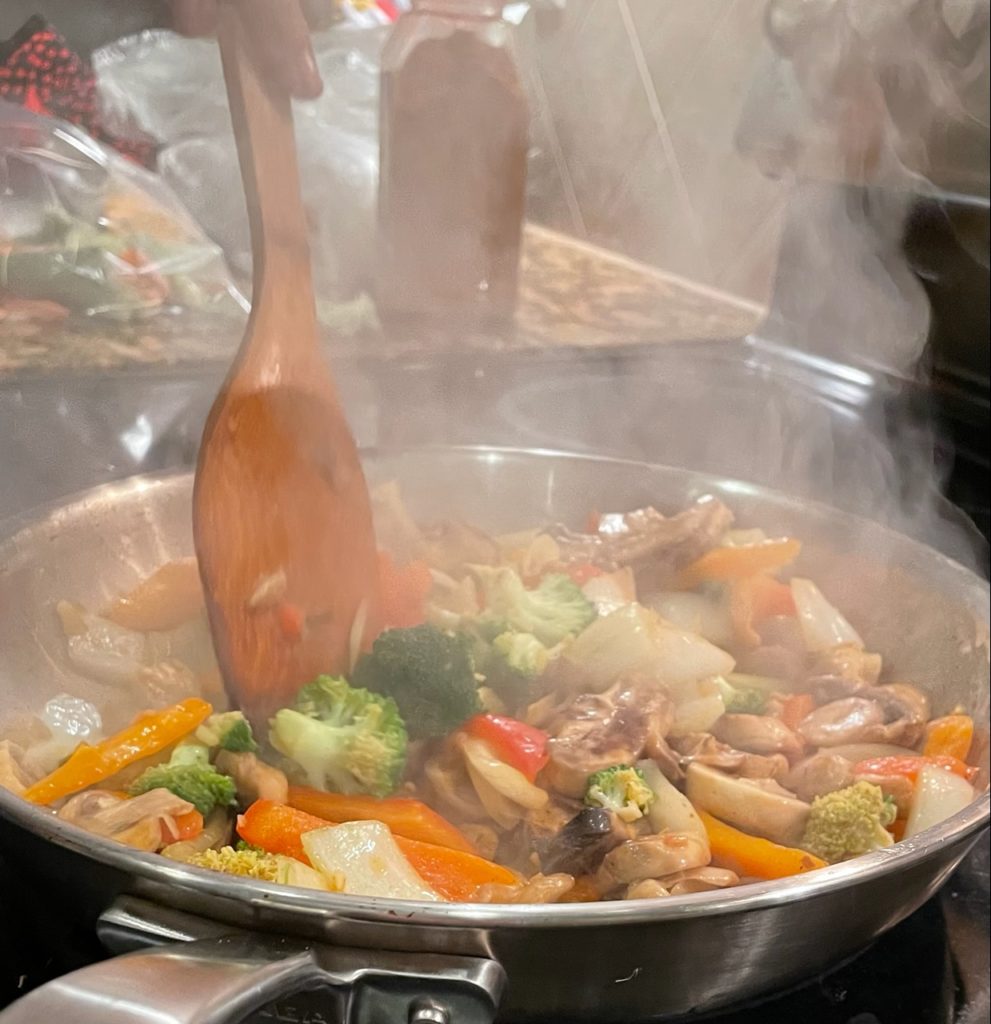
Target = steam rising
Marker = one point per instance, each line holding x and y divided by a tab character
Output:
853	95
821	404
872	85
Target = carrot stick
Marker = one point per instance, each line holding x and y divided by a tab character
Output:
186	826
950	736
277	828
796	707
737	563
455	875
751	856
405	816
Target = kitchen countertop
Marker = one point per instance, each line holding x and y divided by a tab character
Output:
573	295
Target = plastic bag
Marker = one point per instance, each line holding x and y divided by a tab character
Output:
173	89
85	231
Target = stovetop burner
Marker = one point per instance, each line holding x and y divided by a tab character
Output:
931	969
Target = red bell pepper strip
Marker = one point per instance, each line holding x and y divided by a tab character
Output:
910	766
520	745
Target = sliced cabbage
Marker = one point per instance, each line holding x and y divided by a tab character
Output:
671	810
939	794
823	626
698	709
633	639
503	778
611	590
698	613
102	650
367	856
69	721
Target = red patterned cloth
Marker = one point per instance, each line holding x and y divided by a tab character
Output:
39	71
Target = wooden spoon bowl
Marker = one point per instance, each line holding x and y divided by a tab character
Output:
281	513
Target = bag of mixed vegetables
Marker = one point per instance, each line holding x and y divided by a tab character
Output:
86	232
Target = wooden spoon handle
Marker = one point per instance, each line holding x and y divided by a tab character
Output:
261	114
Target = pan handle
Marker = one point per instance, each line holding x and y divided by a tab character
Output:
224	978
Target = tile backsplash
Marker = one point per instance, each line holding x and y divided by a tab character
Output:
636	105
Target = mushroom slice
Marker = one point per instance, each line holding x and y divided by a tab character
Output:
539	889
851	720
253	778
706	879
760	807
822	773
648	889
757	734
651	857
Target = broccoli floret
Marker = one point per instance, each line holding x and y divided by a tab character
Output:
555	609
229	730
510	665
189	774
621	789
849	822
741	700
267	867
342	738
522	653
429	674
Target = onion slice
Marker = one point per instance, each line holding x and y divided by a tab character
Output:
502	777
939	794
823	626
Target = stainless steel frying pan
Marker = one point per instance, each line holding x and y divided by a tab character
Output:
391	962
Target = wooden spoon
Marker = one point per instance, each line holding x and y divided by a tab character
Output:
281	513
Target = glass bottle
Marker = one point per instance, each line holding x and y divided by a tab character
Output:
452	169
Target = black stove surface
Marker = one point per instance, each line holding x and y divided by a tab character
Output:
931	969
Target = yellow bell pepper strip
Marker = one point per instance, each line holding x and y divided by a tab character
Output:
404	816
949	736
752	857
454	874
170	596
737	563
149	733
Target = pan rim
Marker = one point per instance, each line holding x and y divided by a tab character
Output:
955	831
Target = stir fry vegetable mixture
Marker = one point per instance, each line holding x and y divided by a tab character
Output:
655	706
